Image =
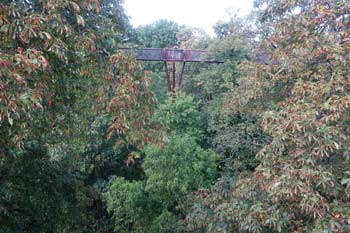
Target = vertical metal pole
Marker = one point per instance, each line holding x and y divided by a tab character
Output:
174	81
174	77
181	73
167	75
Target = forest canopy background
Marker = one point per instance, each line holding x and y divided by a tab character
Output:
90	141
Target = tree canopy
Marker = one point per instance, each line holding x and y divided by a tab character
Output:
91	142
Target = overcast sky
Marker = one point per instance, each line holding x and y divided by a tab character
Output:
195	13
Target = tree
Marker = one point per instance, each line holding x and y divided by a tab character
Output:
181	115
132	208
181	167
172	169
171	173
301	184
38	195
60	73
160	34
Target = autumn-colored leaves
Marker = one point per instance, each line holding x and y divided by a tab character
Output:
133	103
42	50
302	169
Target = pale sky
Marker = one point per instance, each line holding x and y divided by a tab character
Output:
195	13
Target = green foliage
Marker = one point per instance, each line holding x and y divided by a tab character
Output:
301	92
64	86
160	34
192	38
167	222
131	206
37	194
84	149
181	167
171	173
210	81
180	115
207	209
238	142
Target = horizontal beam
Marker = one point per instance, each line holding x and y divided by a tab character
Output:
171	55
202	61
